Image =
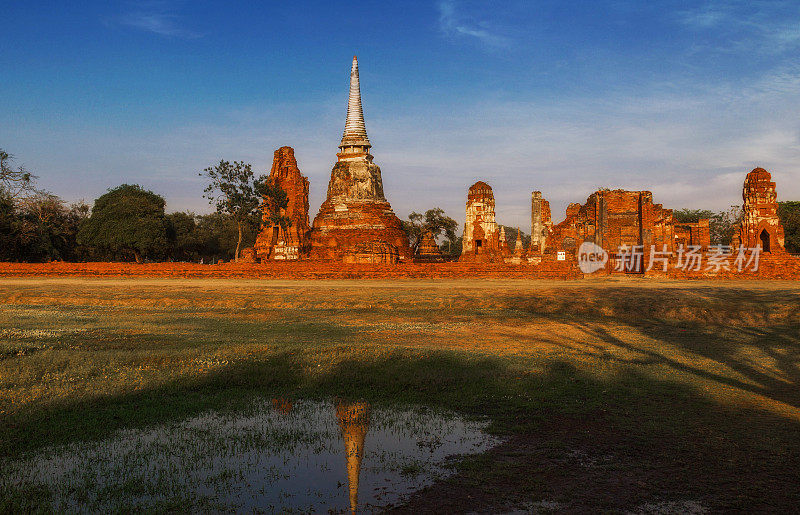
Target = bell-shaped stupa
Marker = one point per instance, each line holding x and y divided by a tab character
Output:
356	224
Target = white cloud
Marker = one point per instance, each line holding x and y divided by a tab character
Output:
691	149
157	17
453	25
765	27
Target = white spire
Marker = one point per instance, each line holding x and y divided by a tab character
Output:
355	132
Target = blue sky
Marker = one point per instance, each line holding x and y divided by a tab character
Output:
681	98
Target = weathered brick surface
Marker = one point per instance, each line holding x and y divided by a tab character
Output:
273	242
294	270
693	234
760	223
784	267
619	218
481	242
428	251
612	219
541	222
355	223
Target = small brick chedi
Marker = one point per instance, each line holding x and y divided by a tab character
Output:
428	250
273	242
503	243
355	223
481	240
760	224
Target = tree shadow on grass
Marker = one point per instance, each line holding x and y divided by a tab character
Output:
572	439
699	321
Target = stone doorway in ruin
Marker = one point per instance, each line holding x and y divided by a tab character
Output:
764	237
478	236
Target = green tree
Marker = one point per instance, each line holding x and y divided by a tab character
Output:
8	226
721	224
235	193
182	236
413	229
16	182
434	220
691	215
38	217
789	213
128	220
511	237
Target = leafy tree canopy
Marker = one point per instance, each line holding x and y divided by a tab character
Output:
721	224
691	215
127	220
434	220
789	213
235	192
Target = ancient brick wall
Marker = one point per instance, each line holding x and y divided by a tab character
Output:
771	266
612	219
296	270
689	233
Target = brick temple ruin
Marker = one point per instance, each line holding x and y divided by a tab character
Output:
481	239
760	224
356	225
428	250
616	218
541	223
621	219
273	241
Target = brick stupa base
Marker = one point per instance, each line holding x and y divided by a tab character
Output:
358	232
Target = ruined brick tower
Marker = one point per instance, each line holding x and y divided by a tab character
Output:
481	241
355	223
540	222
760	223
273	243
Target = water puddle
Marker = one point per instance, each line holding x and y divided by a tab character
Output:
275	456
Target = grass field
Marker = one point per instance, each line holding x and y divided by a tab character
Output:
614	395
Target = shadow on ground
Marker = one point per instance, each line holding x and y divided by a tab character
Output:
572	440
711	323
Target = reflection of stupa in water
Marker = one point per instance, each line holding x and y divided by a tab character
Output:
353	420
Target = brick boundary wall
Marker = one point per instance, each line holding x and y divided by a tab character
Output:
779	267
292	270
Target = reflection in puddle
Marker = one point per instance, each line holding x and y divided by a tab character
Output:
274	456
